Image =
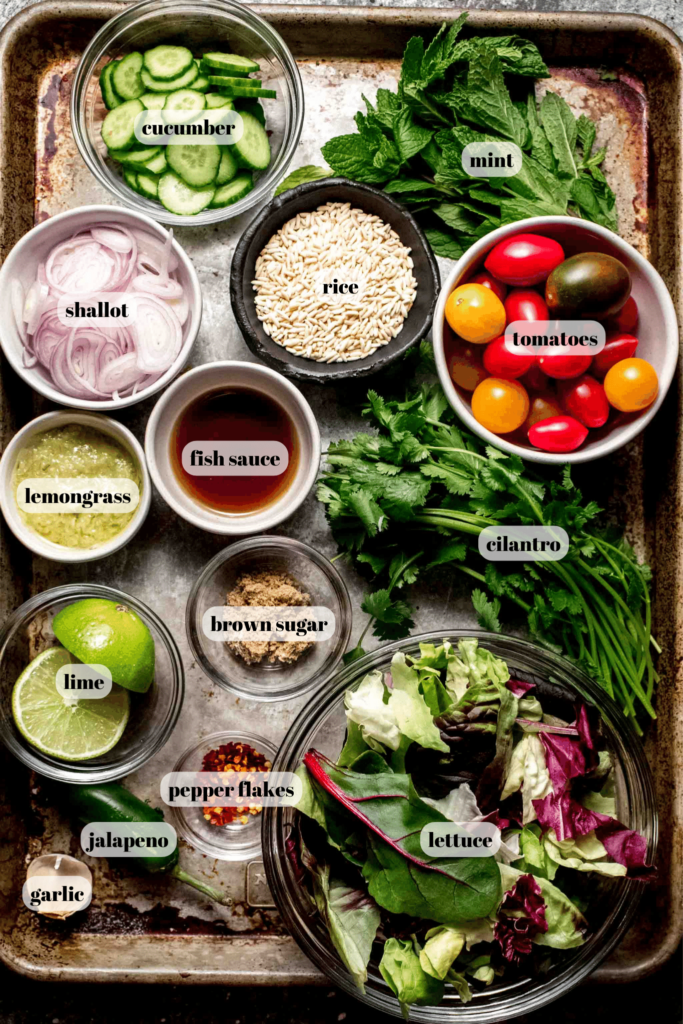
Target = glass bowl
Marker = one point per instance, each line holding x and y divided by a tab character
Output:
322	725
225	842
219	24
314	573
153	714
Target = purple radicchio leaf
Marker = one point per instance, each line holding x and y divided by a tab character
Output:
521	916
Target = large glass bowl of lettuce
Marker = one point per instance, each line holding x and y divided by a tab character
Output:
462	728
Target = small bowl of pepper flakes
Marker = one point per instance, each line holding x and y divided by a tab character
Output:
227	833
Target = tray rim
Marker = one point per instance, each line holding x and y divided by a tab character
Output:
588	22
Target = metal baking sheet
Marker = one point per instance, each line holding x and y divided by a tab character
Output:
153	929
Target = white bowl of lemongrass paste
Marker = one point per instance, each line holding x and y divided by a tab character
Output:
115	450
116	252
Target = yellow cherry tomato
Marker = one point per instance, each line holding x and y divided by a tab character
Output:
631	385
475	313
500	405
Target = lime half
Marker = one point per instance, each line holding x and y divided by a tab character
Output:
67	728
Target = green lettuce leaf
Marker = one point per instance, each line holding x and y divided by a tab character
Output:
352	918
400	967
565	921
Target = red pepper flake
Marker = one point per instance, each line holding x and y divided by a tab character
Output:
233	757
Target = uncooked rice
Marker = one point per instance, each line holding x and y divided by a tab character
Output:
334	237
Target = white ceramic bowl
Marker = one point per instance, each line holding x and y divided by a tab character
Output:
32	249
8	505
159	436
657	329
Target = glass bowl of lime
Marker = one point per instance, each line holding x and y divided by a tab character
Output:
92	683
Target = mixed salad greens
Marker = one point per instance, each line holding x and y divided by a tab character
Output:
453	92
450	736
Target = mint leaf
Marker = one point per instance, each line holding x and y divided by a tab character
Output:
585	130
351	156
561	128
490	100
444	244
595	200
410	137
456	217
299	177
407	185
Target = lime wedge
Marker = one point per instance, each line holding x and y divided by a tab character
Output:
69	729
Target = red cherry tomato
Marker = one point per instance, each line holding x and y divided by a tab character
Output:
627	317
563	367
465	366
502	363
534	379
618	346
490	282
525	304
584	398
558	434
542	408
524	260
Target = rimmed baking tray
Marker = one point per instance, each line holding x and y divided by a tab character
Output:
626	72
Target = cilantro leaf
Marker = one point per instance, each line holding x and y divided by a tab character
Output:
487	611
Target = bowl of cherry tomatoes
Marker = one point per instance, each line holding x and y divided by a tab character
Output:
568	404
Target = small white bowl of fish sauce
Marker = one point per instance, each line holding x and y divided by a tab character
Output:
239	403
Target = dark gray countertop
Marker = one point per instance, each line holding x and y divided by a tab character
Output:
25	1002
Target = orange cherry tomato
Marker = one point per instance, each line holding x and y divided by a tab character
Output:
631	385
475	313
542	407
466	367
500	405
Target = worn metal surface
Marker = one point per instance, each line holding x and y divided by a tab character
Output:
143	928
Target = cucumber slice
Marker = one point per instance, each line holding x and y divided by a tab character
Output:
230	63
201	83
158	85
135	157
131	179
252	107
228	166
235	190
153	100
242	92
179	198
214	100
109	95
185	101
168	62
226	82
126	77
148	185
206	69
253	149
196	165
118	127
157	165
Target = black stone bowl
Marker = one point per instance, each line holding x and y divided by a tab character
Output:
309	197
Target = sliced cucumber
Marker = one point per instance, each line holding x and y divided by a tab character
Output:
201	83
253	149
230	63
228	166
135	157
148	185
157	165
252	107
235	190
226	82
131	179
196	165
153	100
179	198
168	62
159	85
242	92
184	101
109	94
214	100
118	127
126	77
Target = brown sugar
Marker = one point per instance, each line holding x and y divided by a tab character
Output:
268	589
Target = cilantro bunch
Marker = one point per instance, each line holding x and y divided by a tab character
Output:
452	93
412	499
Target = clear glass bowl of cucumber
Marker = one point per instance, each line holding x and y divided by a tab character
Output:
194	58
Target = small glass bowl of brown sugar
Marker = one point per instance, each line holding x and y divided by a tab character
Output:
268	572
227	833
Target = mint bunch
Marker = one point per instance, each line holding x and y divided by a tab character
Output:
454	92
